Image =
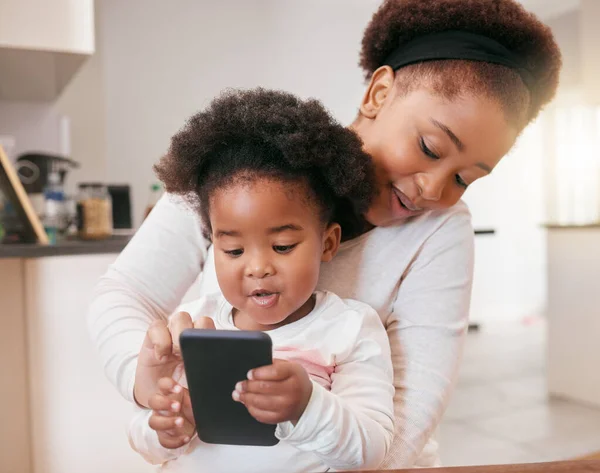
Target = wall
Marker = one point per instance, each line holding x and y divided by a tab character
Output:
548	9
510	265
566	29
167	70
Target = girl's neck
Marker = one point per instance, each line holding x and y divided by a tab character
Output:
243	321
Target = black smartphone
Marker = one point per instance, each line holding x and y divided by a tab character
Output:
214	361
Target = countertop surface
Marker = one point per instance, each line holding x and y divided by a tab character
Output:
560	226
66	248
586	466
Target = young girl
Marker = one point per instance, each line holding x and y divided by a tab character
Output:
277	183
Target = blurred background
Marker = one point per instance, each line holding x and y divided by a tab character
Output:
91	92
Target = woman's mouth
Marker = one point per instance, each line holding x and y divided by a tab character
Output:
405	207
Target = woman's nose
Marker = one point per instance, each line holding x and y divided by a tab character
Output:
430	187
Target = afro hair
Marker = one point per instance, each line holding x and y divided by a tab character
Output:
253	134
399	21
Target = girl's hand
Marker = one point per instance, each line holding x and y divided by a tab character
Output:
161	355
276	393
172	416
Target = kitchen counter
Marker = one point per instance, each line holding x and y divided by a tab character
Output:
573	324
56	387
66	248
115	244
561	226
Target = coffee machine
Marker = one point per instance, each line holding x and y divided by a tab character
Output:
34	169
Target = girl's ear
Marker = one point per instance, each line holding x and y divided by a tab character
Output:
331	242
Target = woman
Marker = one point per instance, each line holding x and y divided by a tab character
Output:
452	83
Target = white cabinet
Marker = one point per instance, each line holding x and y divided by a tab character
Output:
573	361
15	445
63	415
48	25
42	44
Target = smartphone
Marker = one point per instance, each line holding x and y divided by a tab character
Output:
214	361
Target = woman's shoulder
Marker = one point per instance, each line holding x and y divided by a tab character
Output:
451	220
410	235
371	267
339	311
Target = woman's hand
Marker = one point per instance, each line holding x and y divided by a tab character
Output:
161	354
276	393
172	417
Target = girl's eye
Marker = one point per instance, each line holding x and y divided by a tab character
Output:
283	249
234	253
427	151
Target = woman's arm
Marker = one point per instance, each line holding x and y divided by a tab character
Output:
146	283
427	331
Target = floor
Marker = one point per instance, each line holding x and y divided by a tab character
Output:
500	412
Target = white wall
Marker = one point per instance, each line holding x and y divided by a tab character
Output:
567	32
510	266
547	9
164	61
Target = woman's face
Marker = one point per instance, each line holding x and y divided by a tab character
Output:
427	149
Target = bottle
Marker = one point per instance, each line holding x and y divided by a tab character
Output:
155	194
54	197
94	212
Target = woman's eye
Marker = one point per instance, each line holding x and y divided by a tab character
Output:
283	249
234	253
427	151
461	182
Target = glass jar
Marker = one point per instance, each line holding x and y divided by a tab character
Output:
94	212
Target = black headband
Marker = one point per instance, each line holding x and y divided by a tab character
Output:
457	45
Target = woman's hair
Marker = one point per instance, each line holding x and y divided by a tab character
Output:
399	21
248	135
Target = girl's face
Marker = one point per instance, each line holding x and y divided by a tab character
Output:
427	149
269	243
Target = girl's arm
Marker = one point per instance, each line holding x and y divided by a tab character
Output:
351	426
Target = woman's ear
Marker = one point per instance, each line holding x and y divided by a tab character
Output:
331	242
380	86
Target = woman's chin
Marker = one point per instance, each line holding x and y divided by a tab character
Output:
388	217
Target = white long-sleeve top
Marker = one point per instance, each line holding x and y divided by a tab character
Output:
416	275
348	422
